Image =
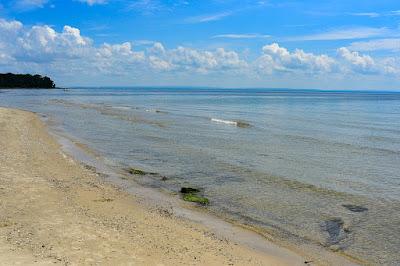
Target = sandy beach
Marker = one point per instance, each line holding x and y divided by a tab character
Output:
54	210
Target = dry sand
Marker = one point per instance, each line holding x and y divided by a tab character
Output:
54	210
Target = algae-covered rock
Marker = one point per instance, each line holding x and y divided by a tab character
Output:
242	124
355	208
134	171
190	194
195	198
185	190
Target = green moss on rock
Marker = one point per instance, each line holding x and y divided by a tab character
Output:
134	171
195	198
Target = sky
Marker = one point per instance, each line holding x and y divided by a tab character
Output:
309	44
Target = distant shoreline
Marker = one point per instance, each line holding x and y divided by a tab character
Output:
25	81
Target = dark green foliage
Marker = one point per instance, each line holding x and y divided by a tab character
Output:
10	80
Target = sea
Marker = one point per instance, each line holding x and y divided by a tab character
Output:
302	167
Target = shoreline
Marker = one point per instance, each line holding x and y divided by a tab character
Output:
54	210
227	228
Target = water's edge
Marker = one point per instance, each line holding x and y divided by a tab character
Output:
243	234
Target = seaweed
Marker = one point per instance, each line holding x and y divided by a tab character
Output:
195	198
190	194
134	171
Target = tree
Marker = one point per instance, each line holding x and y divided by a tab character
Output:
10	80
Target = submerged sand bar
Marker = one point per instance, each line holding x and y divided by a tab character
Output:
54	210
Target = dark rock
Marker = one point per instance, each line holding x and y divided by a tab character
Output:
334	228
242	124
355	208
186	190
134	171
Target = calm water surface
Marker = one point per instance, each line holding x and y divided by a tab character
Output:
308	167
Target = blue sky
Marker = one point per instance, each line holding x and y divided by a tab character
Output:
224	43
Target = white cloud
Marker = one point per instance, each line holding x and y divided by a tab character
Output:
276	58
67	52
241	36
344	34
395	13
94	2
376	45
43	44
366	14
209	17
183	58
7	27
357	62
146	6
157	49
29	4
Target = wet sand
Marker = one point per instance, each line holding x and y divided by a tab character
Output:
55	210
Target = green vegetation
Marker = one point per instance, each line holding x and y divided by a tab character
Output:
134	171
195	198
190	194
11	81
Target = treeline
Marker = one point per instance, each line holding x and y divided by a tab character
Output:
10	80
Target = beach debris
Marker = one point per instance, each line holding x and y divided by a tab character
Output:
104	200
355	208
89	167
308	261
166	212
190	194
164	178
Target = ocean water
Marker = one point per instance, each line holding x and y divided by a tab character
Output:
305	167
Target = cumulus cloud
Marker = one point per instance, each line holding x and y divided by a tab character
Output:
276	58
355	62
358	62
42	45
42	49
196	60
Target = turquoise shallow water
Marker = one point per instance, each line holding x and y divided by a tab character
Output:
289	162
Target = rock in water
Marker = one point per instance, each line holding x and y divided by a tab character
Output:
355	208
186	190
335	230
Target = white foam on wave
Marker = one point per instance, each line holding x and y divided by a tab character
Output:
228	122
122	107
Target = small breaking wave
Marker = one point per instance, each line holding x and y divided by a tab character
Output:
241	124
